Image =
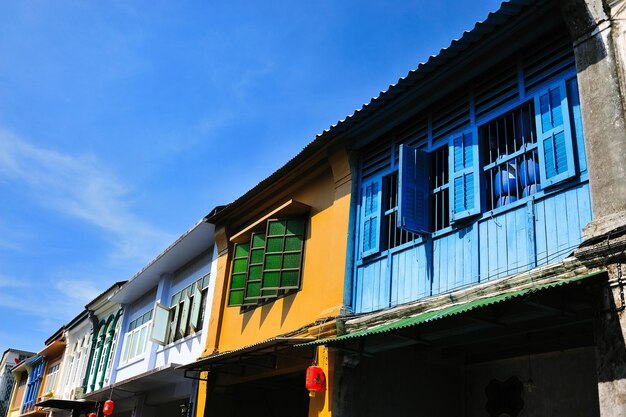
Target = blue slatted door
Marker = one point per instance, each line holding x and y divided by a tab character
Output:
413	190
464	172
556	154
371	197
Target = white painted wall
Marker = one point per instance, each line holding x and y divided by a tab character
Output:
182	351
75	359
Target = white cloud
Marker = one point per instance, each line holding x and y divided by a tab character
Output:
12	283
81	187
61	300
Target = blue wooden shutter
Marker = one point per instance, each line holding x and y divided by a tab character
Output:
554	136
464	174
413	190
371	197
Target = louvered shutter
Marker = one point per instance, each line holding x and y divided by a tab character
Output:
195	307
413	190
464	172
371	196
556	154
184	319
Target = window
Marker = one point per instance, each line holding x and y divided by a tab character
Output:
269	264
136	337
439	189
23	380
393	235
51	379
185	316
511	160
481	168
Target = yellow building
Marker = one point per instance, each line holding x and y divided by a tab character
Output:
280	283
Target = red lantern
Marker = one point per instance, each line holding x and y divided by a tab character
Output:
315	379
107	410
92	415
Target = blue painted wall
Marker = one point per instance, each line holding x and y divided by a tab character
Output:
536	230
535	233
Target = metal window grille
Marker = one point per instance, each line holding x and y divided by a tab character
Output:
393	235
511	162
440	189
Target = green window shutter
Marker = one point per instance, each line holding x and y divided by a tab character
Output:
195	306
284	246
554	136
184	319
239	274
371	198
173	322
253	292
464	172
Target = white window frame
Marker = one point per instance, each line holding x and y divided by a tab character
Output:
130	338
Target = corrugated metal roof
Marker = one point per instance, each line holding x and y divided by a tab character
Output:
494	20
452	310
256	347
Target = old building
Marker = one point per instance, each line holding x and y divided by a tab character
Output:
279	283
164	326
486	273
10	358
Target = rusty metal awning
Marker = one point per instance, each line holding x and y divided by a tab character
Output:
67	404
267	347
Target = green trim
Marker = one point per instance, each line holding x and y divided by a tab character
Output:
452	310
108	348
101	328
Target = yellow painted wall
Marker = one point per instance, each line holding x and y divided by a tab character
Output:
322	281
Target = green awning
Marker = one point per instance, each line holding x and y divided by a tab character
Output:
452	310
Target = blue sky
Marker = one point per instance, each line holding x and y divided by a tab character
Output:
124	122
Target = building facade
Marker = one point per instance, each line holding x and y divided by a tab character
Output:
165	323
488	233
281	259
10	358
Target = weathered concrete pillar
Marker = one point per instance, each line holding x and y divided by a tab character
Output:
610	328
602	105
599	39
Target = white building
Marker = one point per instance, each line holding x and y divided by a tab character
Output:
163	326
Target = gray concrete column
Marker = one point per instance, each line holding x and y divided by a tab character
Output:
602	106
610	330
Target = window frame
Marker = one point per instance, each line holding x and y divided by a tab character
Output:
173	316
131	351
479	210
53	369
272	293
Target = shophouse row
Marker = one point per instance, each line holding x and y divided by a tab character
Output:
452	248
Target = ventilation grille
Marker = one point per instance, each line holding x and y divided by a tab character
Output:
497	87
450	115
551	58
377	157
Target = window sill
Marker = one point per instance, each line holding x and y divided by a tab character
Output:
131	362
179	342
